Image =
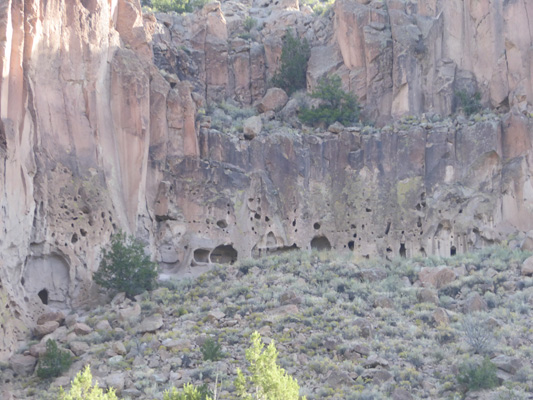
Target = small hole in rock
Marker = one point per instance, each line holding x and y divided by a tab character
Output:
316	225
43	295
222	224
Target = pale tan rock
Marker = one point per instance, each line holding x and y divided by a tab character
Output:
274	100
475	302
116	381
38	349
527	267
23	365
436	277
119	348
252	127
129	312
82	329
103	325
215	315
440	316
150	324
56	316
45	328
426	295
79	348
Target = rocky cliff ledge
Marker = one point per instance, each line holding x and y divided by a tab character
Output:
99	131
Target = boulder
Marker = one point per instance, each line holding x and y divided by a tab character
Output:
81	329
103	325
527	267
56	316
46	328
507	363
436	277
252	127
274	100
119	348
474	302
336	127
79	348
129	313
22	365
116	381
151	324
426	295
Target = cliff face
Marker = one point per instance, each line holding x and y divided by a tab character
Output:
75	126
400	57
99	131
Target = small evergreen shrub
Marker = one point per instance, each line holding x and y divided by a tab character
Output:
189	392
337	105
54	361
478	377
267	380
125	267
211	350
249	24
469	103
82	389
295	54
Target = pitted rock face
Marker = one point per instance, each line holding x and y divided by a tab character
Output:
99	131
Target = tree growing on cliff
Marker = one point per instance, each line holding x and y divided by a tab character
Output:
125	267
336	104
295	53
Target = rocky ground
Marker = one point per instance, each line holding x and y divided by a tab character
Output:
345	328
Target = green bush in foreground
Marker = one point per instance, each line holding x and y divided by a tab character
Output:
295	53
268	381
336	104
125	267
477	377
54	362
189	392
82	389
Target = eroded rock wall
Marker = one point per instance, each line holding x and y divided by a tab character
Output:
99	132
76	125
400	57
410	189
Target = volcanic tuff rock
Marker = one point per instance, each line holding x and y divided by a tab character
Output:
99	132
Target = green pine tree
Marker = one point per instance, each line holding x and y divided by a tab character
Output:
125	267
295	53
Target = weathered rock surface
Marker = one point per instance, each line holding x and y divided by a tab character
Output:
98	132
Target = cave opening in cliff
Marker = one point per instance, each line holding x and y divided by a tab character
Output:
403	251
43	295
201	256
320	243
453	251
224	254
